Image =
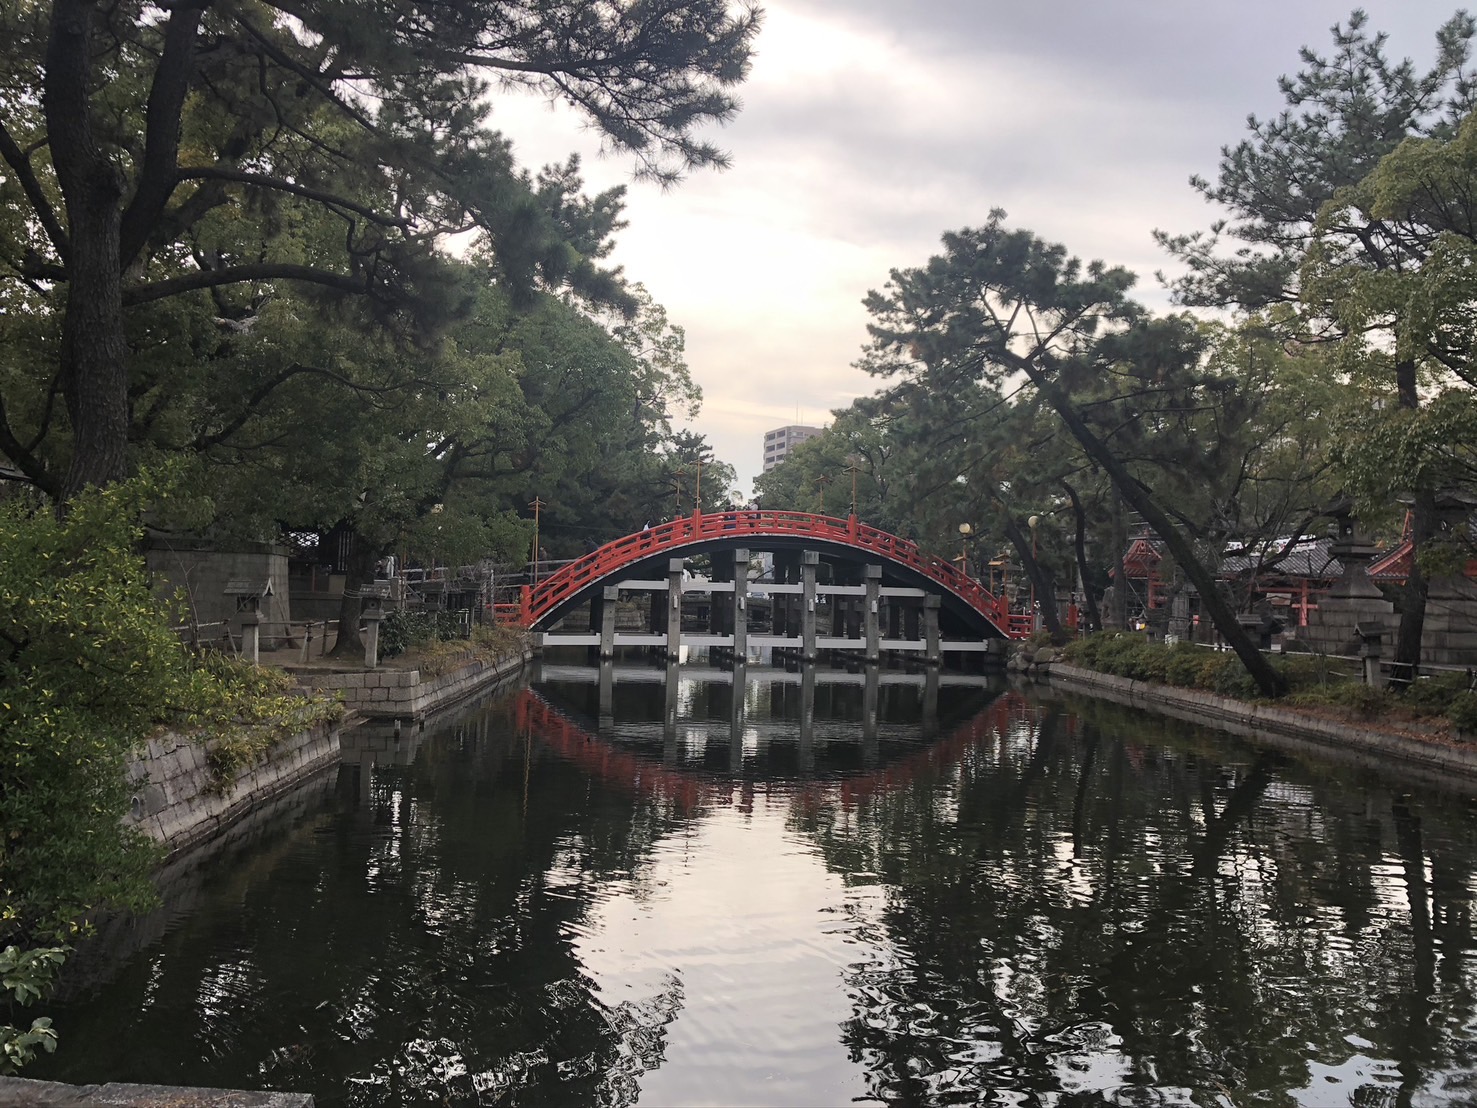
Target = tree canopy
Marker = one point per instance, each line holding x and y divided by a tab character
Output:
226	150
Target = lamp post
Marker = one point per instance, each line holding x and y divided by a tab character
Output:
1033	522
965	530
853	469
537	505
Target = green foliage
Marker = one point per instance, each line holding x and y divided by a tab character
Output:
88	670
1462	711
26	974
1185	665
245	711
404	630
1311	681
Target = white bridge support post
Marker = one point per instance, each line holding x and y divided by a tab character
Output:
607	605
932	653
739	616
871	614
674	609
810	561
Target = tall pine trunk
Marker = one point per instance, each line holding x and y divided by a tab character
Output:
1269	682
94	352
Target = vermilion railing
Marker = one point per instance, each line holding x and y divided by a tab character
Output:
539	600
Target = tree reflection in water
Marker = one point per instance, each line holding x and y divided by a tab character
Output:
1096	904
1043	903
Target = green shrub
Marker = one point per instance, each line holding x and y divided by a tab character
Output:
1184	665
1462	711
1434	695
88	671
403	630
1354	697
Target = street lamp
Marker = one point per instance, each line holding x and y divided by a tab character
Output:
1033	522
965	530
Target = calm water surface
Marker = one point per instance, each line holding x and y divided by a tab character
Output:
808	889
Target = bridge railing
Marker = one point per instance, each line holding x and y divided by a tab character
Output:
537	601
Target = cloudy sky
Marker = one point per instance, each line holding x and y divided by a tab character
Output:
869	127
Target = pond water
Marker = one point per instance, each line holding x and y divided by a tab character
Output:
632	886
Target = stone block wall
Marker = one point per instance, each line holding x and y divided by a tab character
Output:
202	572
403	693
175	805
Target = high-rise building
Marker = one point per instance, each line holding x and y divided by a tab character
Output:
779	442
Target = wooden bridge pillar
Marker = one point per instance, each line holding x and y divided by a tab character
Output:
739	613
810	561
606	608
871	613
932	654
674	608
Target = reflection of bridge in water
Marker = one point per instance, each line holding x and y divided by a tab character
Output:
840	585
693	732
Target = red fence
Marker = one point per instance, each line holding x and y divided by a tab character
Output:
539	600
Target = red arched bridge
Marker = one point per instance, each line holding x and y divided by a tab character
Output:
900	567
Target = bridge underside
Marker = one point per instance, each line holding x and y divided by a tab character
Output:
826	596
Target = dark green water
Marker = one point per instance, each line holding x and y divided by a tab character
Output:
814	893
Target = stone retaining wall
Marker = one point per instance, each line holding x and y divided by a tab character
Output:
1434	754
19	1091
402	693
174	802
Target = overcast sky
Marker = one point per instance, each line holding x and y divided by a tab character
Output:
870	127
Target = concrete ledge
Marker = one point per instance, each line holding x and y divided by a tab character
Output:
1434	754
16	1091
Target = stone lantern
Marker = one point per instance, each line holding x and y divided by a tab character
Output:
249	596
372	612
1354	600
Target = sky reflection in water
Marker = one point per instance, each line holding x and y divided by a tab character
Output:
819	891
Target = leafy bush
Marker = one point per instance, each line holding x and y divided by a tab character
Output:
1434	695
403	630
89	669
1462	711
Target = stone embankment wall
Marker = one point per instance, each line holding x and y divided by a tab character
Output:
1429	751
404	693
20	1091
176	804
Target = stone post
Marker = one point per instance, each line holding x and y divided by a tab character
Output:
933	652
372	617
251	636
1370	634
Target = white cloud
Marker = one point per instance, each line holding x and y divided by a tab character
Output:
870	127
